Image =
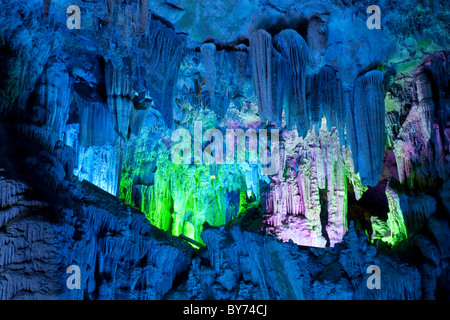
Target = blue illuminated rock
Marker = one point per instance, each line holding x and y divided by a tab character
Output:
368	125
360	147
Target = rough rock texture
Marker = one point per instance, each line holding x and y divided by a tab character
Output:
86	177
428	122
242	264
121	256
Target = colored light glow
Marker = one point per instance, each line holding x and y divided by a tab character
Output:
393	231
183	197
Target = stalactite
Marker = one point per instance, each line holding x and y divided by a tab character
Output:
315	104
341	114
261	58
317	37
294	50
55	95
179	199
241	60
45	137
279	69
162	63
208	51
96	124
224	73
326	98
143	16
119	88
369	126
127	28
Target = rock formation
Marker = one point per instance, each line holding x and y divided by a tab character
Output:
353	121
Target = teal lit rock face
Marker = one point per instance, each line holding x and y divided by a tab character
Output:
236	149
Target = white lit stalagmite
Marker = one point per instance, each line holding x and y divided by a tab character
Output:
315	166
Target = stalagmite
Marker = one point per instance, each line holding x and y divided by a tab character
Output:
336	184
88	170
294	205
421	148
100	165
426	104
393	230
